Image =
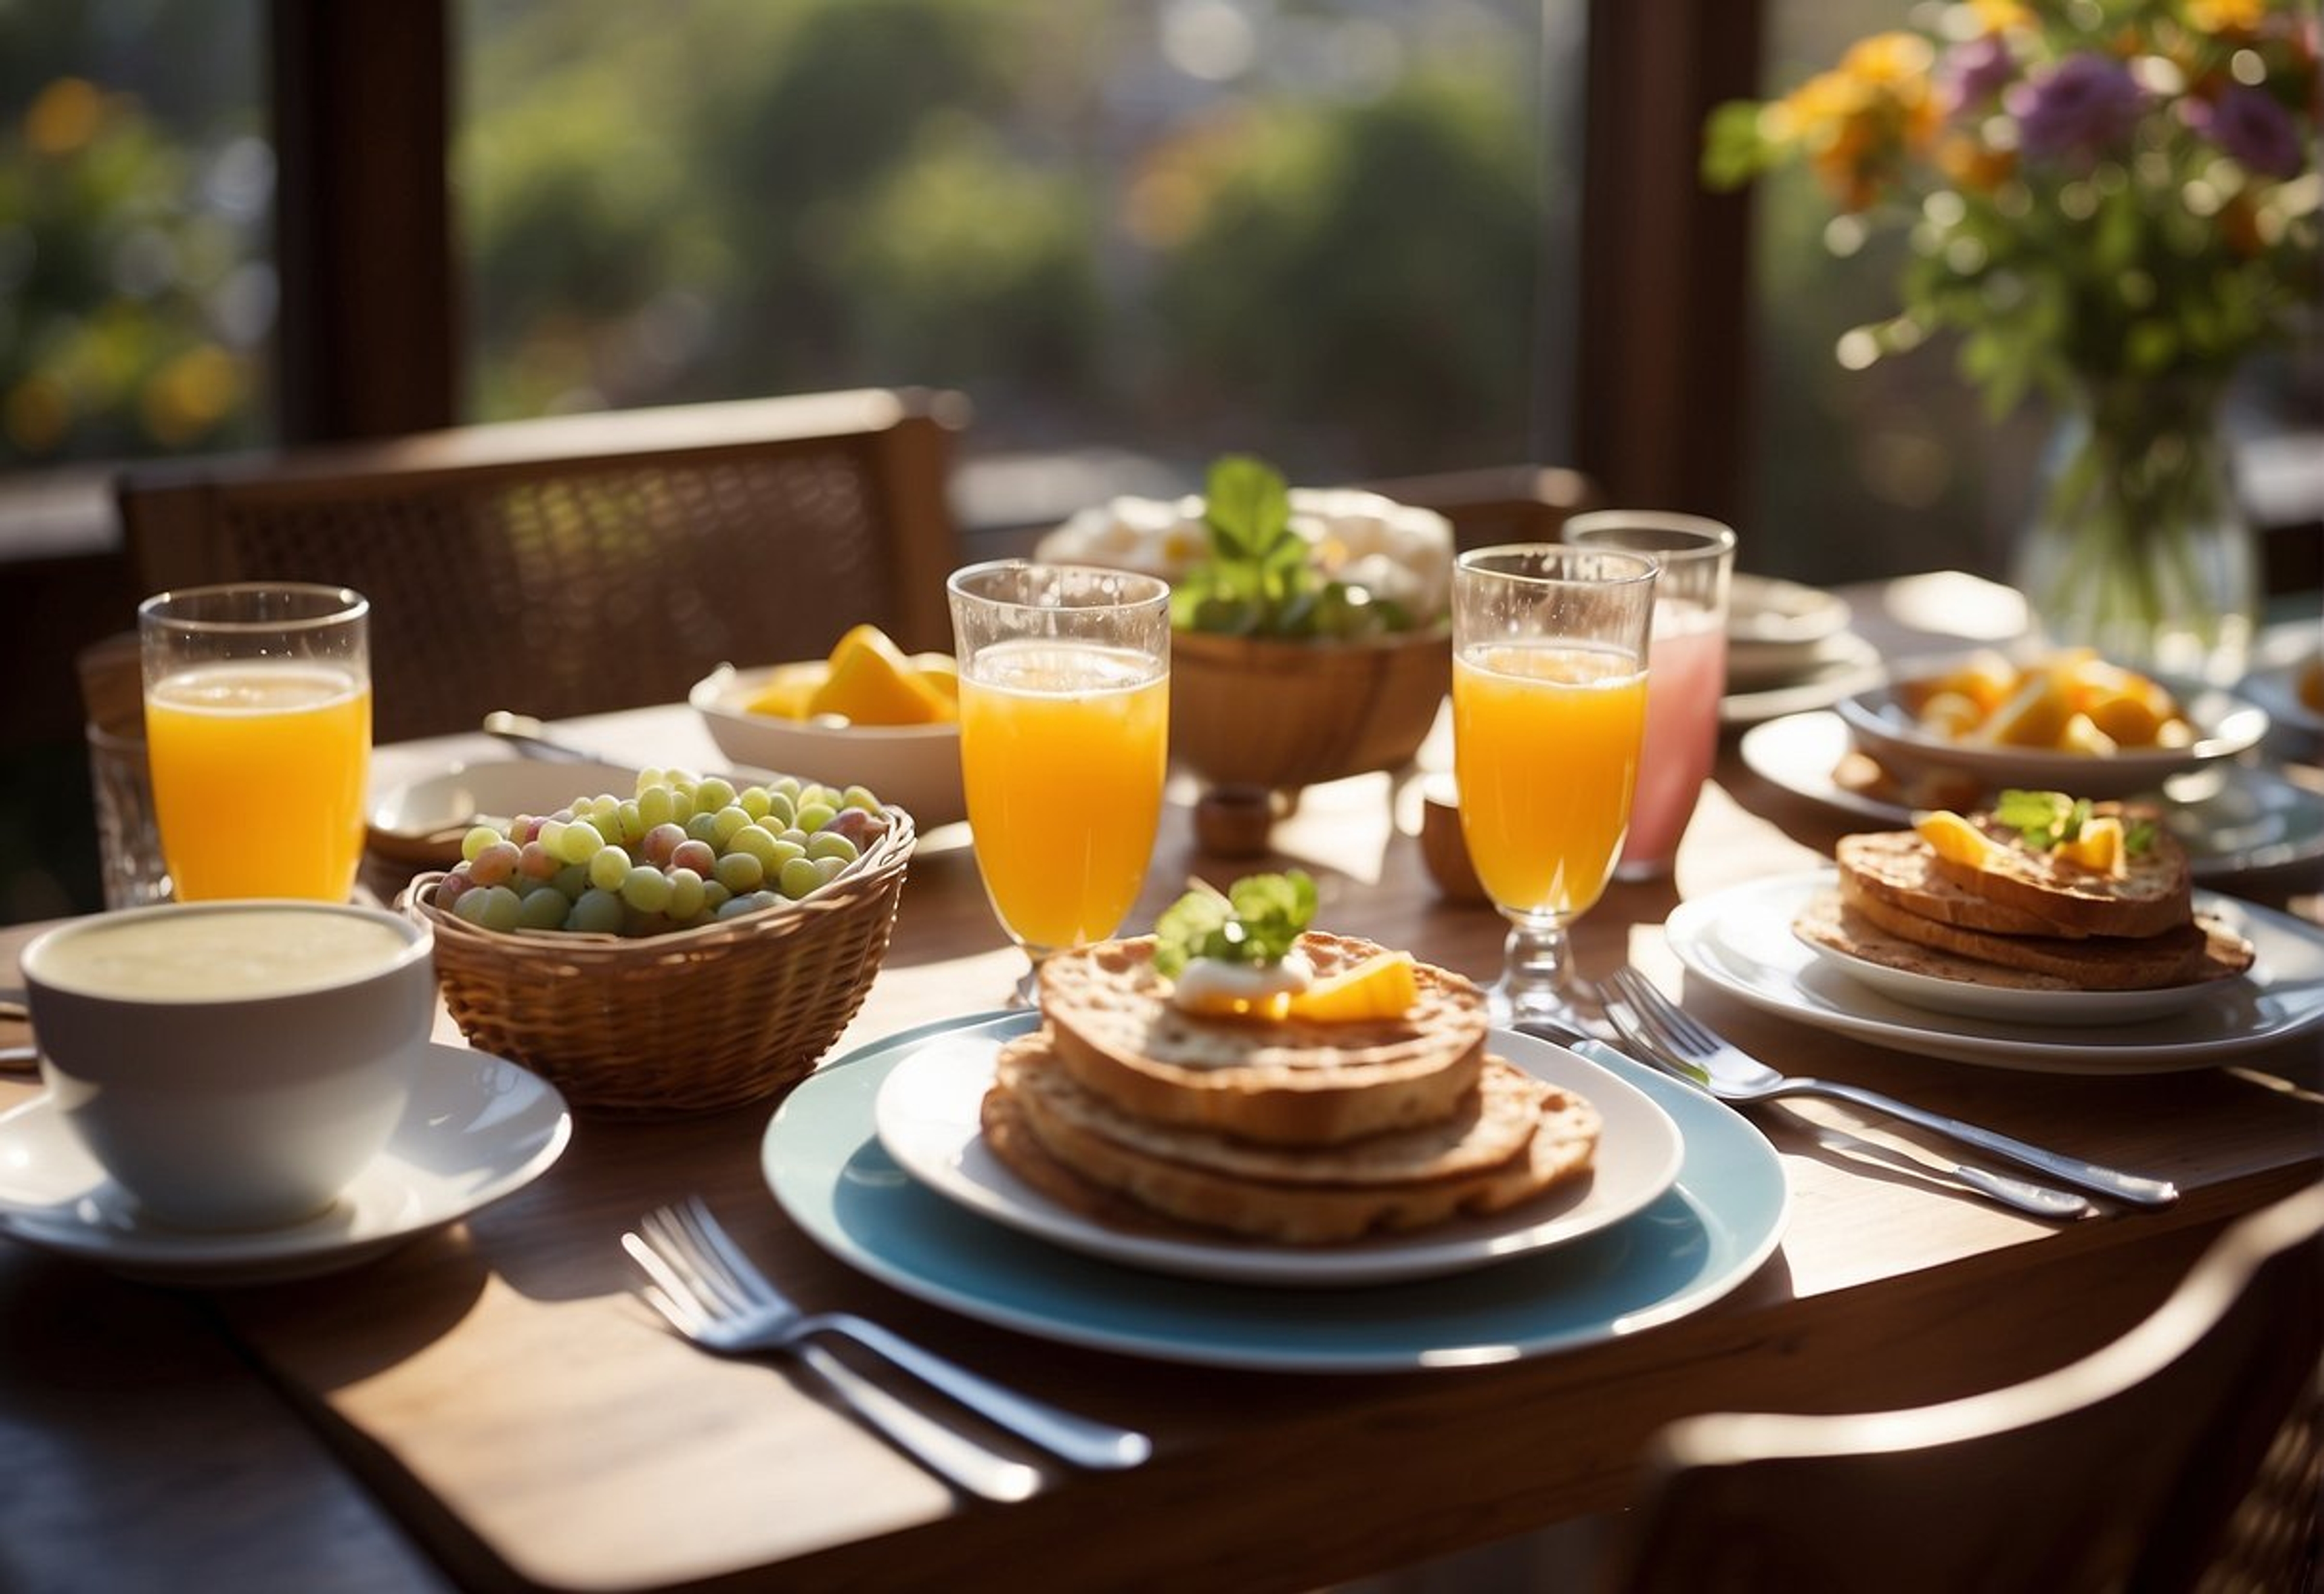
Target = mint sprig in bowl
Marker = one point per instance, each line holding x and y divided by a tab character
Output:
1310	637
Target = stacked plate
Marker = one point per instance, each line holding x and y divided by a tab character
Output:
879	1159
1789	648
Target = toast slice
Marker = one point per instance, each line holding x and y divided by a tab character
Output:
1118	1033
1879	932
2157	893
1896	866
1064	1142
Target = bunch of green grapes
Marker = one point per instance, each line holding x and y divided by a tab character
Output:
682	851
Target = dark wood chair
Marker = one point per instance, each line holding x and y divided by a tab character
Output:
581	564
2183	1455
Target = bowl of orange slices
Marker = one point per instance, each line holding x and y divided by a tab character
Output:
868	714
2068	721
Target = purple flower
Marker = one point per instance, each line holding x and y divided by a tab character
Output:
1974	72
2250	126
2082	108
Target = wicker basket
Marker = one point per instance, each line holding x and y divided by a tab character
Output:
683	1022
1256	711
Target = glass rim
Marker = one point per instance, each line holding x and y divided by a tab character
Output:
957	585
334	606
1643	567
1669	535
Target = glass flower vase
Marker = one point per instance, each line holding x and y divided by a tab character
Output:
2137	547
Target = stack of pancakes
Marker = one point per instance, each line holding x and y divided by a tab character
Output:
1130	1110
2029	921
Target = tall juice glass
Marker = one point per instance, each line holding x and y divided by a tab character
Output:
1688	659
258	731
1549	709
1065	714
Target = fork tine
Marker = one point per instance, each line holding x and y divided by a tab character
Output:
739	1271
669	1294
697	1274
1665	1015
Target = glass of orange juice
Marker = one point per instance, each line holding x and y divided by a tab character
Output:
1064	715
258	731
1549	712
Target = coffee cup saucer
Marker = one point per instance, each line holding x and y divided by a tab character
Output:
477	1128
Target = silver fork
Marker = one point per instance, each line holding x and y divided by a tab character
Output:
2036	1201
709	1291
1648	1018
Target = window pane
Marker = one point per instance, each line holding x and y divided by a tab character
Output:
1315	231
136	187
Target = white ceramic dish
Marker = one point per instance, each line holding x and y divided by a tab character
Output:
1779	627
2225	726
2008	1004
477	1128
1704	1237
1740	940
460	795
914	767
2233	818
927	1119
2276	688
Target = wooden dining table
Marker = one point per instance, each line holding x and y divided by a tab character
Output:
490	1406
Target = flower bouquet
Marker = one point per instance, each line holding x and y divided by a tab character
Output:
2113	203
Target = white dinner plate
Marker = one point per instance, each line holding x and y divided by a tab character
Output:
1740	940
927	1119
2232	819
476	1130
1695	1243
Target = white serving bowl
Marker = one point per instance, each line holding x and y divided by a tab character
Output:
2224	726
914	767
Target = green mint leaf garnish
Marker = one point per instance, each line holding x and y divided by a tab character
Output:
1255	920
1260	578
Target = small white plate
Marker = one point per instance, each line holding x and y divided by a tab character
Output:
2225	726
2233	818
2065	1008
477	1128
1740	940
927	1119
465	793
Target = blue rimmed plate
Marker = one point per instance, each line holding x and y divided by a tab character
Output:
1705	1235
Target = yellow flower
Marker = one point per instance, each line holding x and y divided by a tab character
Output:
2000	16
2227	16
1902	60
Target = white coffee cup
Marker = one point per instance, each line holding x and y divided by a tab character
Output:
233	1065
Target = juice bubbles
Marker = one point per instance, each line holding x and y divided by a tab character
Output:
1687	675
259	771
1062	748
1545	739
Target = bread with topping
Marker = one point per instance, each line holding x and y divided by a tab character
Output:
1118	1034
2154	893
1517	1138
1897	868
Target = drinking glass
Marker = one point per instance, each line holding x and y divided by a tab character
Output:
1064	715
1687	669
1549	709
258	730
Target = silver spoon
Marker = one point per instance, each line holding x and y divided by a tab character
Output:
529	737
